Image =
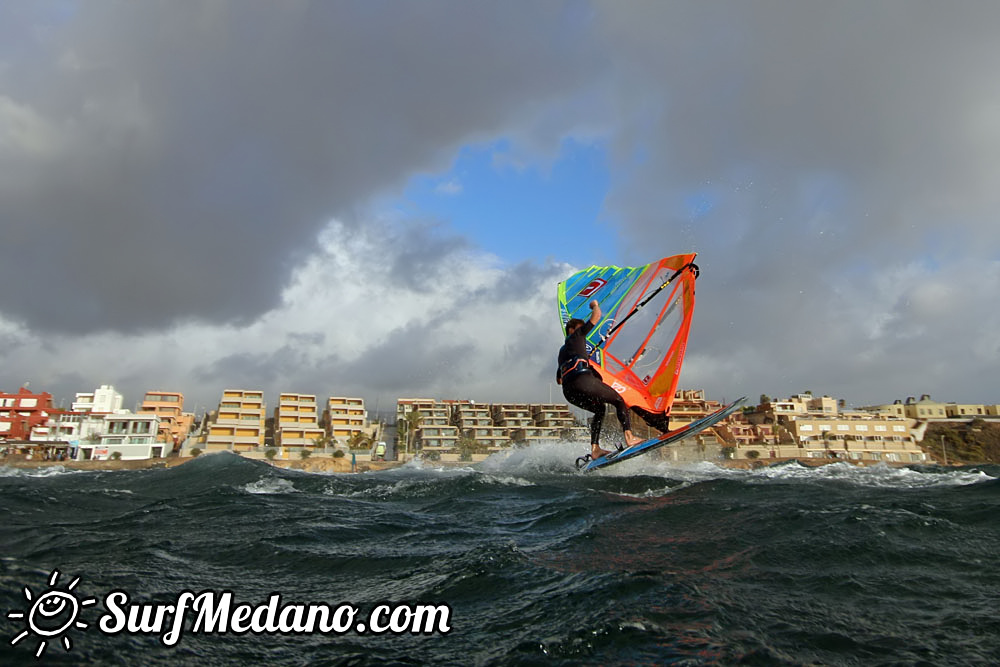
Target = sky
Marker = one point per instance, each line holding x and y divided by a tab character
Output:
378	198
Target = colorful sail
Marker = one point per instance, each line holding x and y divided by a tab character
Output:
638	346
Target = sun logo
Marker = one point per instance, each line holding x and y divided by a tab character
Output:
51	614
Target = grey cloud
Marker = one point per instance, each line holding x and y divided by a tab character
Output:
420	256
175	162
520	282
801	148
193	151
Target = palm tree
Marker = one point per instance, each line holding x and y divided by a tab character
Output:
413	421
358	440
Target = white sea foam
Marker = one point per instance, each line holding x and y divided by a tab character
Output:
270	485
507	480
657	492
45	471
880	475
547	456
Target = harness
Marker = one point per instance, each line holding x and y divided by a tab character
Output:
573	366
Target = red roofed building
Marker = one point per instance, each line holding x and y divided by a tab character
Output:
23	411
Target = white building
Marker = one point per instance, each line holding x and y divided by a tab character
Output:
69	427
105	400
131	436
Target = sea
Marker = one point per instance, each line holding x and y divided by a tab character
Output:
518	560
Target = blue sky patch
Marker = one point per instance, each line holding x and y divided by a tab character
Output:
517	210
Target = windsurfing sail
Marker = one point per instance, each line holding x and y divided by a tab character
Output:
638	346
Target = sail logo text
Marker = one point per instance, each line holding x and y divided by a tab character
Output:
594	285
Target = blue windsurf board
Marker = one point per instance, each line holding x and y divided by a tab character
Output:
587	464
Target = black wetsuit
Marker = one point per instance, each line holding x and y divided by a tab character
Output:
582	386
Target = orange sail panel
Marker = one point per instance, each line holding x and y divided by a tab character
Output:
638	346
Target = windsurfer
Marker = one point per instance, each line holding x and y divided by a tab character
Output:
582	386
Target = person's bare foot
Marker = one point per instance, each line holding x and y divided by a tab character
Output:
630	439
596	452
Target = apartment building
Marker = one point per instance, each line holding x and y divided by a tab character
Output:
175	424
103	401
69	427
430	429
960	411
555	416
804	426
925	408
296	421
344	418
126	436
22	412
740	430
512	415
239	422
689	405
476	423
443	426
550	421
856	437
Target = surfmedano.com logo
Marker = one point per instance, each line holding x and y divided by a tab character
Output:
50	616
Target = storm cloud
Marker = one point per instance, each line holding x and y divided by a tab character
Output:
171	161
191	190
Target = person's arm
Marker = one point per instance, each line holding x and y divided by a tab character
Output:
595	312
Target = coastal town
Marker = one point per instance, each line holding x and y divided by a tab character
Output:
338	434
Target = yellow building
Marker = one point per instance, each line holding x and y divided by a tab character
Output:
809	427
855	438
959	410
296	421
925	408
476	423
487	427
434	430
689	405
239	422
175	424
895	409
344	418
